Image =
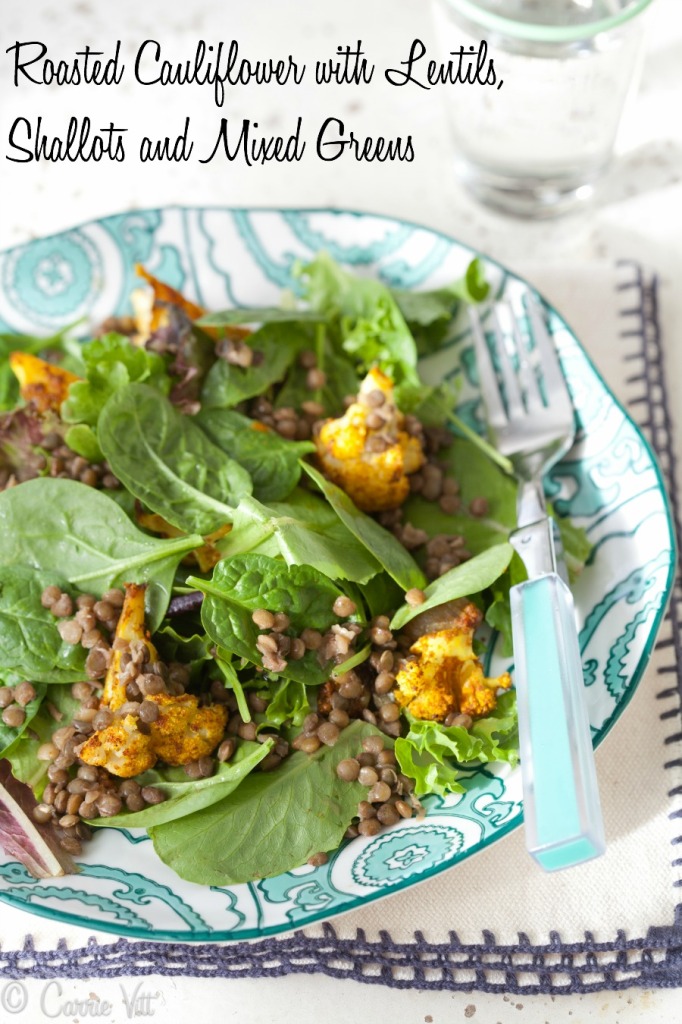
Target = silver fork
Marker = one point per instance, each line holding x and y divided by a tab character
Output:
532	424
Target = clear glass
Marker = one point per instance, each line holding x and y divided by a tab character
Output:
537	145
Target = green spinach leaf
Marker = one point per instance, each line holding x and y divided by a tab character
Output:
388	551
272	823
245	583
305	531
58	708
83	536
10	734
259	315
271	460
30	644
166	461
464	580
187	796
277	345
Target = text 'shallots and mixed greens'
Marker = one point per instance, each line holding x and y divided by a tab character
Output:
244	558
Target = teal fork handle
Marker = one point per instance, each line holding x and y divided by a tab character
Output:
562	813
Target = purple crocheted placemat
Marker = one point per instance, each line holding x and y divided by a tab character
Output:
556	967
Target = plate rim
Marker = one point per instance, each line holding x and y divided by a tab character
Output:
250	934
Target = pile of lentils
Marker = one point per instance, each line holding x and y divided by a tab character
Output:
93	792
277	648
294	424
13	701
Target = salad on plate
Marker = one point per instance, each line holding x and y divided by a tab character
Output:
250	568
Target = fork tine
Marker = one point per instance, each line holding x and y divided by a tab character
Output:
555	384
527	375
511	385
497	417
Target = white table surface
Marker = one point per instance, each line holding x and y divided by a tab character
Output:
639	216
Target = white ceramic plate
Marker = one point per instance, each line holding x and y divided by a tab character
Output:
609	483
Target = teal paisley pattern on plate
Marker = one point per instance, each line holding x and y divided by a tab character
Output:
386	859
609	483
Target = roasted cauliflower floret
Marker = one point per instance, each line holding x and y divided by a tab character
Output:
367	452
130	628
442	676
183	732
120	748
41	382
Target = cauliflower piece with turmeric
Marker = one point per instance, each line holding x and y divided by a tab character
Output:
181	733
40	382
367	452
442	676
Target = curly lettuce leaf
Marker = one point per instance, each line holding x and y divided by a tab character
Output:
111	363
432	754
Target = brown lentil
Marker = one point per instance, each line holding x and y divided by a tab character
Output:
389	712
6	696
450	504
369	827
348	769
309	744
14	716
91	639
103	610
367	776
384	683
62	607
281	622
247	731
226	750
24	693
47	752
70	631
50	595
73	803
351	686
315	379
312	639
135	802
373	745
403	809
102	719
42	813
297	649
263	618
149	711
343	607
479	507
108	804
369	716
379	792
388	815
153	795
339	717
415	597
318	859
328	733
